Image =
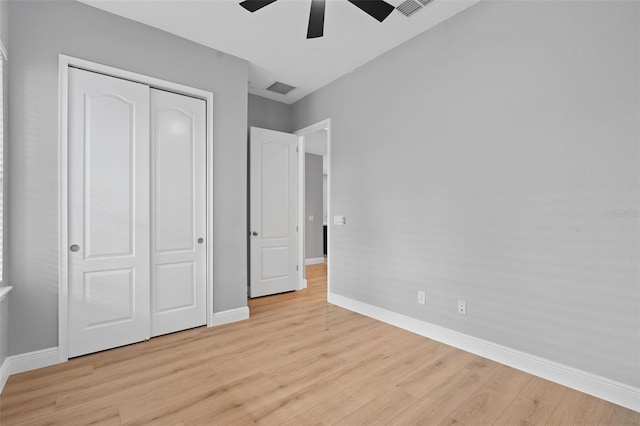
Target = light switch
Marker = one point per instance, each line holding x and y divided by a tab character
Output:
311	218
339	220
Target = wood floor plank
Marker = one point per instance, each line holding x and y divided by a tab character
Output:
577	408
489	402
614	415
194	401
449	395
107	416
298	361
433	375
284	407
533	405
380	410
27	411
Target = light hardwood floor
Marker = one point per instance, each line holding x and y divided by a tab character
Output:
297	361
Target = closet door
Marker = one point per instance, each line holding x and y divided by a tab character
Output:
178	241
108	212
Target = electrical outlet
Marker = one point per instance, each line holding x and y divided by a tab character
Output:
462	307
422	297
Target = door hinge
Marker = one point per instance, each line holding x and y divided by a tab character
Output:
296	149
296	267
296	229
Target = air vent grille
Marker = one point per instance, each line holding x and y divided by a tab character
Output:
409	7
425	2
280	88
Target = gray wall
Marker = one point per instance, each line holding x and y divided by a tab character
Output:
4	21
4	305
269	114
39	31
313	232
481	161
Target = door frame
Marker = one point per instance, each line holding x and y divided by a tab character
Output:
324	124
64	63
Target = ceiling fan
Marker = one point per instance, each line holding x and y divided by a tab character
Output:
378	9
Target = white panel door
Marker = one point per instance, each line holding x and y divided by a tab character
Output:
178	194
274	194
108	212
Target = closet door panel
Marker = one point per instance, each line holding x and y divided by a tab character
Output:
109	257
178	212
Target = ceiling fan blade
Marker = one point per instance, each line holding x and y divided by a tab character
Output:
316	19
253	5
378	9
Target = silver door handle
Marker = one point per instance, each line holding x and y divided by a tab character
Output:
254	233
200	240
74	248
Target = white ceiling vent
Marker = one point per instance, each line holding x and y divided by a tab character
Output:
409	7
280	88
425	2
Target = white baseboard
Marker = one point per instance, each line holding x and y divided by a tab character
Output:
25	362
601	387
314	261
4	374
232	315
33	360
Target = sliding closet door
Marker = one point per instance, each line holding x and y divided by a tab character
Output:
178	193
108	212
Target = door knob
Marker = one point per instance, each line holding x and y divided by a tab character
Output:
74	248
254	233
200	240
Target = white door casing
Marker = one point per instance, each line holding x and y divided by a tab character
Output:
108	212
178	212
273	217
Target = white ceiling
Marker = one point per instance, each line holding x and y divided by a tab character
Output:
273	39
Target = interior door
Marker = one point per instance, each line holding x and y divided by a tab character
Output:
273	198
108	212
178	126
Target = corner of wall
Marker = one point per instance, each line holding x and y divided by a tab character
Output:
4	374
600	387
15	364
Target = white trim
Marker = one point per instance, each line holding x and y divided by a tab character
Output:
209	234
64	62
32	360
324	124
63	233
302	167
4	374
314	261
600	387
232	315
25	362
4	291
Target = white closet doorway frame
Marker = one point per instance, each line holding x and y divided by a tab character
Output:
64	63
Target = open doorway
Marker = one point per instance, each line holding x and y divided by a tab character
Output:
314	201
315	197
313	276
